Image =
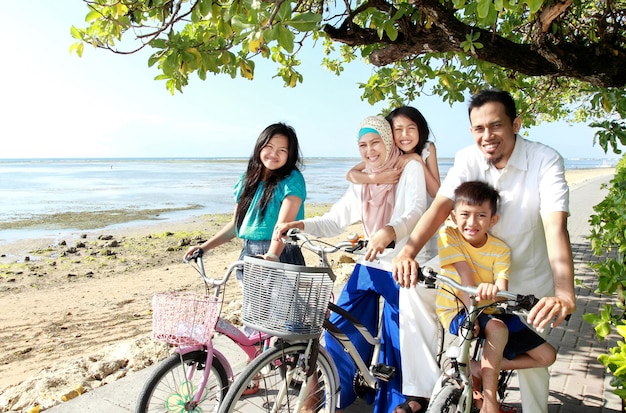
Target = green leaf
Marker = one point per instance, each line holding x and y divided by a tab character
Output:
591	318
483	8
92	15
76	34
391	30
603	329
286	39
305	22
204	7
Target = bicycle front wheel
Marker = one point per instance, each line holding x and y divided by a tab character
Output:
447	400
174	384
278	382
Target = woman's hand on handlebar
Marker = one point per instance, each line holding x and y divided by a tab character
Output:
281	228
379	241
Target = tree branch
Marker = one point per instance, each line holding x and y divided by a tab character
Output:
446	33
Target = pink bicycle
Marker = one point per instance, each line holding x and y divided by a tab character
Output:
197	376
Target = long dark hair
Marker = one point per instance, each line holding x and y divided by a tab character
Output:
419	119
256	172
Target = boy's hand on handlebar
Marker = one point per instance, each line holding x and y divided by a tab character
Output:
405	270
487	291
550	309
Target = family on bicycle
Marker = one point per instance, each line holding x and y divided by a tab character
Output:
395	193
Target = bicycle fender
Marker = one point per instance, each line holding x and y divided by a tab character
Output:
227	367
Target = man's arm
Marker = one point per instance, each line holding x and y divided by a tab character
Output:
562	263
404	265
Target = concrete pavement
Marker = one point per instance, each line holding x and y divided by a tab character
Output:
578	382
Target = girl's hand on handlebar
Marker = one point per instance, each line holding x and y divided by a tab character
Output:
190	252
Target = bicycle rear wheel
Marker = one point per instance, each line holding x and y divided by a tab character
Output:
447	400
174	383
282	384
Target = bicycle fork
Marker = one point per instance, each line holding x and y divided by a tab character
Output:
308	362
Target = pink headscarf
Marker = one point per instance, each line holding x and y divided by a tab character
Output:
378	199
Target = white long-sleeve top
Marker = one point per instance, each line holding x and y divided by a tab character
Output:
410	204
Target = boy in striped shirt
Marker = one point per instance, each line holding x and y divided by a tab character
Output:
473	257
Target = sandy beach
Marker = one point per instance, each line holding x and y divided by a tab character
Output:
75	313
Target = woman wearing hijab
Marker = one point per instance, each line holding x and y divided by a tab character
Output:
388	213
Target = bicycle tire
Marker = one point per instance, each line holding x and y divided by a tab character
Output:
279	370
446	400
168	386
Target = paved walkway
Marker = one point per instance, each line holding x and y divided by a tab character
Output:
578	382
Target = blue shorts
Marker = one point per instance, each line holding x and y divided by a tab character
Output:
521	337
290	255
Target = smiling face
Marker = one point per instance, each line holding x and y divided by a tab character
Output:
474	221
405	133
372	150
275	153
494	132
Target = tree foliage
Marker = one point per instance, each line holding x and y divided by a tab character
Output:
608	239
562	59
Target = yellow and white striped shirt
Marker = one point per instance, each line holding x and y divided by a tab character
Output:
488	263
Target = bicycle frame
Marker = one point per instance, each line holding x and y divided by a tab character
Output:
368	373
250	345
459	356
305	360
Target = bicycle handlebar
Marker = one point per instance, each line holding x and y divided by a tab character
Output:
354	244
429	276
215	282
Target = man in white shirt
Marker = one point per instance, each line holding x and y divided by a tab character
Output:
533	222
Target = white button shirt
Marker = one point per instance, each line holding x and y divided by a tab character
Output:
531	185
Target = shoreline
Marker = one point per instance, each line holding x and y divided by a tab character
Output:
73	225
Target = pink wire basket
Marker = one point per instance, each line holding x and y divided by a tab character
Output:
184	318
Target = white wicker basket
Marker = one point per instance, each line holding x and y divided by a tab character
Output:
287	301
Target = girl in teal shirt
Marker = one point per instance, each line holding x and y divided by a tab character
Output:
271	191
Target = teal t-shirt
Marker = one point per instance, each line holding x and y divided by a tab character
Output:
256	228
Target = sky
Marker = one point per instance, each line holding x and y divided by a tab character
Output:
57	105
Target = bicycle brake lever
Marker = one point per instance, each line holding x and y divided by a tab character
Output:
529	301
197	253
427	276
359	245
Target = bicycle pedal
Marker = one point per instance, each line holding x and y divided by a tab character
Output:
384	372
504	408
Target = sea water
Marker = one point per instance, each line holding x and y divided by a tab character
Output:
32	188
